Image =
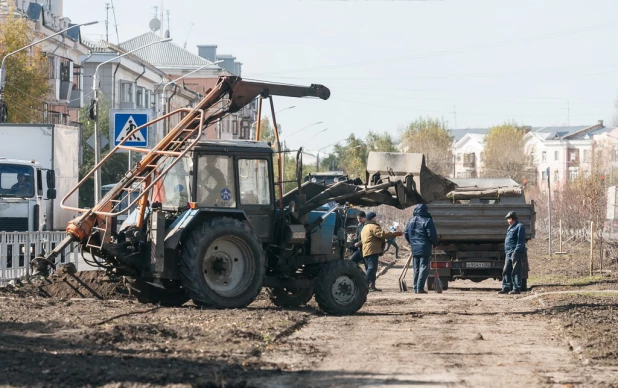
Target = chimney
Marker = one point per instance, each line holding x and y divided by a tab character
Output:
208	51
601	122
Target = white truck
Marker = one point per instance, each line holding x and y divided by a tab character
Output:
39	165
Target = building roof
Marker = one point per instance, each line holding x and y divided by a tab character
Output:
577	132
478	137
458	134
165	54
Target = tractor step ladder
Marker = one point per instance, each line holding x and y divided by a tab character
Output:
154	165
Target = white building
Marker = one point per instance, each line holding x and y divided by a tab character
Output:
130	82
468	147
566	151
63	51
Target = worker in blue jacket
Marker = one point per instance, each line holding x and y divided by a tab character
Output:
514	247
421	234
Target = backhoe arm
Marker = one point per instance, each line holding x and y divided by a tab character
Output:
234	92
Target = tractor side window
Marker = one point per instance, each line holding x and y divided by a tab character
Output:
215	181
175	188
254	182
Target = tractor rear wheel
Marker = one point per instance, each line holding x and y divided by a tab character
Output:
170	295
290	297
341	288
222	264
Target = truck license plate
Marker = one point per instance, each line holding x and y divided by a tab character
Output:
478	265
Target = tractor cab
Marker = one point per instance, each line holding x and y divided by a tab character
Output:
227	177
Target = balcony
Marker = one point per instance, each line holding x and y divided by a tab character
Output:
77	98
573	157
469	160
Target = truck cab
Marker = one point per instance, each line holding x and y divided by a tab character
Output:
26	193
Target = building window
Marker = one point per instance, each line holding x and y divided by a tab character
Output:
573	173
556	155
544	156
556	175
126	92
459	157
586	155
543	175
65	70
52	67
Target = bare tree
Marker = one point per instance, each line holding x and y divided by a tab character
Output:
430	136
504	155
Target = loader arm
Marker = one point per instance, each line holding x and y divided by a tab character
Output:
234	92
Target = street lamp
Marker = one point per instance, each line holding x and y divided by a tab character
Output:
318	153
164	94
95	101
317	133
295	132
3	68
252	136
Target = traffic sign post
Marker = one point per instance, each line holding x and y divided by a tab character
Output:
123	122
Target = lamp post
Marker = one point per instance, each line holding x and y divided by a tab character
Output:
317	169
3	68
163	110
95	115
251	135
317	133
310	125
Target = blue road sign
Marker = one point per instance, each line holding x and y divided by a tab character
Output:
125	123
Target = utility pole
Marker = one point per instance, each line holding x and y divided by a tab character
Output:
107	22
568	113
549	209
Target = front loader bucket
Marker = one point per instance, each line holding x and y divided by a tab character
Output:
383	166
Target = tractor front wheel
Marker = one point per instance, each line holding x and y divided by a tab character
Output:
341	288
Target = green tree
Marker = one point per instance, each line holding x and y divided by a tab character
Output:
112	171
26	72
504	155
380	142
430	136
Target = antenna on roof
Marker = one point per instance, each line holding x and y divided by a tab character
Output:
167	32
188	34
115	22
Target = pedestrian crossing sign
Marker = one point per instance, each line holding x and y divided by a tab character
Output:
125	123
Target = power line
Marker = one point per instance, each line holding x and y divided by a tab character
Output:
450	51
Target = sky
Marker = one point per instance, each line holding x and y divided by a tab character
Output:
472	63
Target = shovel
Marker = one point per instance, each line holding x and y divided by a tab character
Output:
403	287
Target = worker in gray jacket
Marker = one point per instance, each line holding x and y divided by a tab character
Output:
514	247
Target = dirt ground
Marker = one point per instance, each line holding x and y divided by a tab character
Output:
562	333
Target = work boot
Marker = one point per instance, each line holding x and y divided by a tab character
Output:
503	292
514	292
421	292
372	288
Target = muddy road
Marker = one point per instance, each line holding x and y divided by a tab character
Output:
469	336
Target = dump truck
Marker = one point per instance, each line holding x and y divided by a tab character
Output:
471	229
213	224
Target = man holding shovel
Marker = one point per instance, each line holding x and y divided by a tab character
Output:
422	236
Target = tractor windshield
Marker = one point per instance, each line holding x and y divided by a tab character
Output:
215	181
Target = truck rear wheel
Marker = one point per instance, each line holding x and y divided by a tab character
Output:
341	288
290	297
222	264
171	295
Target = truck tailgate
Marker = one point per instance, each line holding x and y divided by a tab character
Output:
478	223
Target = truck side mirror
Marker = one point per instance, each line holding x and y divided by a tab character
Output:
51	181
51	193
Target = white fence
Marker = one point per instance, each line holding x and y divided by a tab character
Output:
18	248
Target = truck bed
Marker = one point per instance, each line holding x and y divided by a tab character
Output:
478	223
